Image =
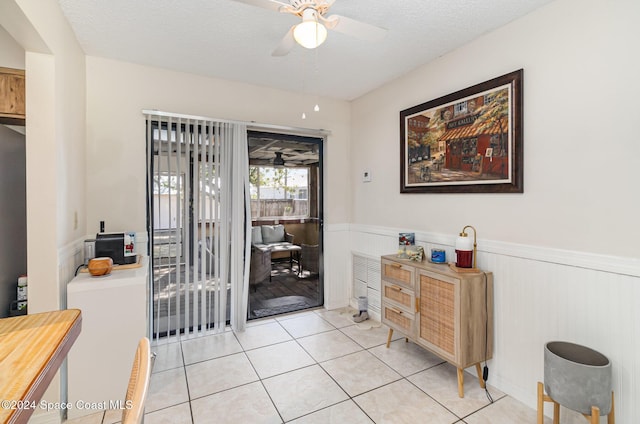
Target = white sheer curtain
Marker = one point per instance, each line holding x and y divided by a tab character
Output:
198	213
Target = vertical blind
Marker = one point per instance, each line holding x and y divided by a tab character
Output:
198	216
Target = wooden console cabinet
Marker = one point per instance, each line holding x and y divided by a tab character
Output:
447	312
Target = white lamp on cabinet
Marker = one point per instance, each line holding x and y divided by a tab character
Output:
466	251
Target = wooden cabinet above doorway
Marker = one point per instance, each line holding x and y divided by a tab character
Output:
12	96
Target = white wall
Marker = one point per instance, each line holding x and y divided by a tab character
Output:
116	94
565	252
581	154
11	53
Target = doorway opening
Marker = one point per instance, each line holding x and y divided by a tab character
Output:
285	174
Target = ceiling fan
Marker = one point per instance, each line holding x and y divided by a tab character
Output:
312	31
278	161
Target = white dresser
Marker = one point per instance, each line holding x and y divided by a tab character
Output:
114	318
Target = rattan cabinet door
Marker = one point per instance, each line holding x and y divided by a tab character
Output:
438	318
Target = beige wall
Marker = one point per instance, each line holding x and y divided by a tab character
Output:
116	94
581	154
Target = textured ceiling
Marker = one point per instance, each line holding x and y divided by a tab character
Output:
232	40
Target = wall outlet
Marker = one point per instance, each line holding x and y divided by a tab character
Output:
366	176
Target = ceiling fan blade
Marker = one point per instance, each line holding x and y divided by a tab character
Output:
354	28
265	4
286	44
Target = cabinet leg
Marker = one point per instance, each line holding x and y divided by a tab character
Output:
389	337
479	372
460	382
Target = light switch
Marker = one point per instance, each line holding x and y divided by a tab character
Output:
366	177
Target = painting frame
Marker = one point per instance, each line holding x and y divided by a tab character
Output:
469	141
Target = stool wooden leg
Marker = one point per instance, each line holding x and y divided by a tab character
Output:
479	372
389	337
595	415
460	382
611	418
542	398
540	403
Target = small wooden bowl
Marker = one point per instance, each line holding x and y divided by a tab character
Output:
100	266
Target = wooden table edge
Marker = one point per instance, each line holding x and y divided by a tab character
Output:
40	385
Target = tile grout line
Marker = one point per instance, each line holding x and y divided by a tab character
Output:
295	339
259	378
402	377
184	369
315	362
329	375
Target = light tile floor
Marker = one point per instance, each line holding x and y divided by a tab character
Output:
313	367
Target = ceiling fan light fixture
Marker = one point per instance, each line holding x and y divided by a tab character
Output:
310	33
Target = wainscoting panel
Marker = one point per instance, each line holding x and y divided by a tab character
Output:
69	258
337	263
541	295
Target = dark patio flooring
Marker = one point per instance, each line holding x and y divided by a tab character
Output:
286	292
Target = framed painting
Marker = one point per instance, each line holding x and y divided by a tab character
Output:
469	141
